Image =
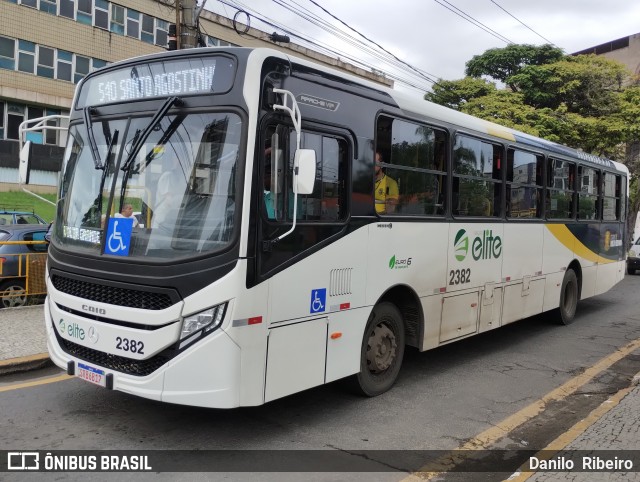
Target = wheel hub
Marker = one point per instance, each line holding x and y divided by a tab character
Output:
381	349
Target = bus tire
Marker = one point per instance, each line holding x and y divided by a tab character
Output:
568	297
382	351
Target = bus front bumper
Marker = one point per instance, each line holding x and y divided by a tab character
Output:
206	374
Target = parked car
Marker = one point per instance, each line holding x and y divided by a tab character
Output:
12	268
633	257
10	216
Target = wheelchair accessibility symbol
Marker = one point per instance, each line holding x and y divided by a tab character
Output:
118	236
318	300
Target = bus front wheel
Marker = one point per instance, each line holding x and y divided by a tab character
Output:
382	350
568	297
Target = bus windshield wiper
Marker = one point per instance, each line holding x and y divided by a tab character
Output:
142	137
105	167
92	140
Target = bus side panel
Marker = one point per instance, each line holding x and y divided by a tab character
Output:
406	254
333	279
522	250
475	255
522	271
611	248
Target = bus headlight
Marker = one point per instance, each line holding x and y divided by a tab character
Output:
201	324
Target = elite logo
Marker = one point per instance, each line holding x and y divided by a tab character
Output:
461	245
483	246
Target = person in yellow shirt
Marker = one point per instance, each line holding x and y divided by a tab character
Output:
386	189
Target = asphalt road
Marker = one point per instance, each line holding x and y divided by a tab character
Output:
443	399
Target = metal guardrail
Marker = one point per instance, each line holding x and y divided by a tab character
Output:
22	276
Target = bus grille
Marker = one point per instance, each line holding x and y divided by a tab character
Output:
111	294
117	363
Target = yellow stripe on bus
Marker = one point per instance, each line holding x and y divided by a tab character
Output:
504	134
567	238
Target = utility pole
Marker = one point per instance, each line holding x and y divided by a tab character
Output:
184	33
189	27
178	43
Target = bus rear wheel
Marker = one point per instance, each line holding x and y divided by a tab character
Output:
568	297
382	351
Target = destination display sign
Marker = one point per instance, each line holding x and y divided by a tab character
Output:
204	75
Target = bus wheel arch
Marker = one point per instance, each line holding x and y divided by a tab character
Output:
393	323
570	291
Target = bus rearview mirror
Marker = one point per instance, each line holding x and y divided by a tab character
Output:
306	162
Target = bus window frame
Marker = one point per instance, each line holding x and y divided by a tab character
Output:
499	180
446	167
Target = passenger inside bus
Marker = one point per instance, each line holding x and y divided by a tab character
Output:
386	189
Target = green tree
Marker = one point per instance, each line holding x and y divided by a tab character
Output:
586	84
502	63
585	102
455	93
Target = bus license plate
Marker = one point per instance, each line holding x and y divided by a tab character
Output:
91	374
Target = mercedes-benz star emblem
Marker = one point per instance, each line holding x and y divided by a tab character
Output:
93	335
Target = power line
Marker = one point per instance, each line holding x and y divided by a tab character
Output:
473	21
522	23
372	41
336	32
357	43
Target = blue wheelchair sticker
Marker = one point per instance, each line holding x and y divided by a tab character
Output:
118	236
318	300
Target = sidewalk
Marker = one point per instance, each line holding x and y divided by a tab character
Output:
613	426
23	344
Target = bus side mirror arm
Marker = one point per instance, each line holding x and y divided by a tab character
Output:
304	163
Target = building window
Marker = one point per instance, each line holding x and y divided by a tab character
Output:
133	23
45	62
101	17
15	117
51	135
85	10
147	29
162	30
82	68
212	41
97	64
30	3
67	8
26	56
7	53
49	6
117	19
65	65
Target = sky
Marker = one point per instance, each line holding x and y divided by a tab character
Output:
431	38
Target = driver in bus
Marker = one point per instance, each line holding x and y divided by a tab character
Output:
386	189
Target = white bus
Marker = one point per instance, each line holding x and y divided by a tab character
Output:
266	262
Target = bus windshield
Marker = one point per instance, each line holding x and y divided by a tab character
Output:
179	189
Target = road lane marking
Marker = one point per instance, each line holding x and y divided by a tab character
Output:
573	433
35	383
485	439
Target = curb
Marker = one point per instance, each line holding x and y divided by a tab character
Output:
25	363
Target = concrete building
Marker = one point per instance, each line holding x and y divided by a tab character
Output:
625	50
48	46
